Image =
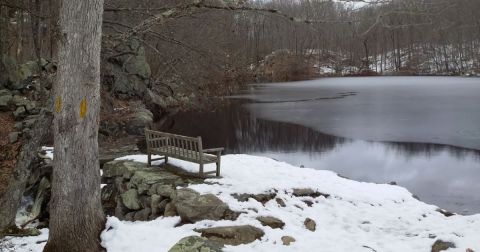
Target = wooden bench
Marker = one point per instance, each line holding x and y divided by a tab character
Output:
181	147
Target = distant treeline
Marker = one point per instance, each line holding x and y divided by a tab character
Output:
216	45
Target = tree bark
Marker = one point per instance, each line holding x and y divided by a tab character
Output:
76	216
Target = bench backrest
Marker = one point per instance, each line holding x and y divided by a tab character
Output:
175	145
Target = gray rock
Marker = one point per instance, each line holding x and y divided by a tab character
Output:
193	207
19	112
287	240
130	216
164	190
261	197
13	137
142	215
196	244
150	176
121	168
30	106
170	210
129	71
310	224
162	206
5	92
142	188
29	122
280	202
440	245
141	118
154	202
18	126
130	199
302	192
232	235
4	102
271	221
18	100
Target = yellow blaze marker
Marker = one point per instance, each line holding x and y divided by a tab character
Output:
83	108
58	104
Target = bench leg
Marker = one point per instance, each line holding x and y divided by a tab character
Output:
201	170
218	169
149	159
219	156
166	159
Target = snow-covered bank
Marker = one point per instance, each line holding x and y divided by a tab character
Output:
356	217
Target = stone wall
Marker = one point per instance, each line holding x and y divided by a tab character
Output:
134	191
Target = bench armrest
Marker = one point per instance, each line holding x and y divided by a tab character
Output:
214	150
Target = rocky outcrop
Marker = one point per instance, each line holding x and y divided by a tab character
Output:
232	235
134	191
126	70
196	244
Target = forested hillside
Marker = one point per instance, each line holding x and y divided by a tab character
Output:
211	46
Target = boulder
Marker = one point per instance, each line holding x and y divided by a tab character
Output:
150	176
19	100
287	240
121	168
127	69
19	112
232	235
141	119
130	199
193	207
440	245
5	101
271	221
310	224
158	208
196	244
162	190
170	210
142	215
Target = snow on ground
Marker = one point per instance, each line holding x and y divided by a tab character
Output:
356	217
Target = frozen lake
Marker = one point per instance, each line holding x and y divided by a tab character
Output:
421	132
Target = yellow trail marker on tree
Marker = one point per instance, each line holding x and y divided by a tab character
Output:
58	104
83	108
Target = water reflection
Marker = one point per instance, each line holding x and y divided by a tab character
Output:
438	174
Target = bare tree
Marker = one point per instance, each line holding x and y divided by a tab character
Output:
76	213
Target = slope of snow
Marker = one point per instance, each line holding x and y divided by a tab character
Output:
356	217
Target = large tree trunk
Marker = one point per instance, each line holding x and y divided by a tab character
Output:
76	216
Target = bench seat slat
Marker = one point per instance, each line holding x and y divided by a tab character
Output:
173	151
